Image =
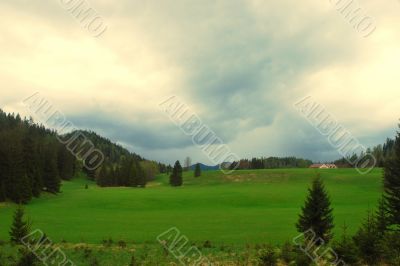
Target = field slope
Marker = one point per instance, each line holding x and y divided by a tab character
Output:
252	206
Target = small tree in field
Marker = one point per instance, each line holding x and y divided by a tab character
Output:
176	177
19	227
197	170
317	213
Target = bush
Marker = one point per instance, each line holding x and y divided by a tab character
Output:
391	248
288	253
268	257
122	244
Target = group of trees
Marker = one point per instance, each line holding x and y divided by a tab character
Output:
270	163
31	159
378	239
128	172
381	153
120	166
176	179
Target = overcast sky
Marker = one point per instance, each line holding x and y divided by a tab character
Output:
240	65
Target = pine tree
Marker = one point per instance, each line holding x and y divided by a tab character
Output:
392	186
142	177
176	176
32	164
20	227
346	248
17	185
51	179
197	170
382	218
368	241
102	178
317	213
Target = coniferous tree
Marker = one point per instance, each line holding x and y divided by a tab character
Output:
197	170
317	213
392	186
27	258
142	177
368	241
51	178
381	218
176	177
32	164
102	178
20	227
17	185
346	248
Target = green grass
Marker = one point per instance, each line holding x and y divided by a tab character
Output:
257	206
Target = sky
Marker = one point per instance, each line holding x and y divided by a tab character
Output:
239	65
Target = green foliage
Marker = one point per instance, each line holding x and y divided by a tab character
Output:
391	248
51	179
346	249
176	176
20	227
197	170
271	163
392	186
268	256
288	253
27	258
317	213
25	162
368	241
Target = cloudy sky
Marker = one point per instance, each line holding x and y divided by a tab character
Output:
239	64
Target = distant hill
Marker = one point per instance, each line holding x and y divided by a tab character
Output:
205	167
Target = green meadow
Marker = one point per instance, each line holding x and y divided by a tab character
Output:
245	207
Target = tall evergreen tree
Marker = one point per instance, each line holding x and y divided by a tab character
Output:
102	178
197	170
51	178
32	164
392	185
17	185
20	227
176	177
317	213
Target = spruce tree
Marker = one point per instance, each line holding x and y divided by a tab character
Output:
381	218
346	248
20	227
368	241
317	213
392	186
102	177
32	165
176	177
197	170
51	179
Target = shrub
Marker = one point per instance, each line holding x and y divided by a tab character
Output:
268	257
288	253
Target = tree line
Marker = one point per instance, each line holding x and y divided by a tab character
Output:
31	160
271	163
381	153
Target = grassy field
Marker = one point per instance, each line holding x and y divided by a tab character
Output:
246	207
